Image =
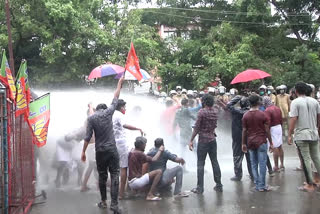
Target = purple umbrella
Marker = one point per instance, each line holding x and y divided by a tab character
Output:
106	70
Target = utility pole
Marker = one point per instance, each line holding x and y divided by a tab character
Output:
7	5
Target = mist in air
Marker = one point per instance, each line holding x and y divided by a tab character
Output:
69	111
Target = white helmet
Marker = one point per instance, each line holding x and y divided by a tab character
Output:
172	92
263	87
222	89
184	91
178	88
163	94
312	86
211	89
282	87
270	87
190	92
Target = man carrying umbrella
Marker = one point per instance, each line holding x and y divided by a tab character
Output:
107	157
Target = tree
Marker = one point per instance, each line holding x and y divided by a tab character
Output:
301	17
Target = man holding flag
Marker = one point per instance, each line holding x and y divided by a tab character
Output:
107	157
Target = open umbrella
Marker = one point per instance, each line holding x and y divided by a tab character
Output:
249	75
106	70
129	76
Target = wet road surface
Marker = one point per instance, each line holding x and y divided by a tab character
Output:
237	197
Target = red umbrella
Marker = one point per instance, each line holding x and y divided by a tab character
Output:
249	75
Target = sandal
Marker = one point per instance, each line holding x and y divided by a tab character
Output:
302	189
155	198
298	169
276	169
196	191
264	190
182	195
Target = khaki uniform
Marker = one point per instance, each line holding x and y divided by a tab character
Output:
283	102
273	98
179	97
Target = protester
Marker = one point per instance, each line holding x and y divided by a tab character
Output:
274	116
255	131
92	165
63	159
107	157
167	118
183	119
305	123
139	177
205	127
236	129
262	107
168	175
119	127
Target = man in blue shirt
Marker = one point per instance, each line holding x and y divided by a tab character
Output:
167	174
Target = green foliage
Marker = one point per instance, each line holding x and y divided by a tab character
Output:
62	40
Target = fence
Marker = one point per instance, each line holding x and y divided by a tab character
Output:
17	188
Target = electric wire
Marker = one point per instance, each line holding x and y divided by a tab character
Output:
225	20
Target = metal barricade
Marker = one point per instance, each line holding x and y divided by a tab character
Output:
17	188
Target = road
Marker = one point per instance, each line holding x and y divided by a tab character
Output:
237	197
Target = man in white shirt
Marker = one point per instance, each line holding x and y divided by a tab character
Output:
121	143
305	122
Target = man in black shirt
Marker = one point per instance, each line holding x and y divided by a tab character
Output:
107	156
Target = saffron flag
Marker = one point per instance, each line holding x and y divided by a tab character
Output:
23	91
6	76
39	118
132	64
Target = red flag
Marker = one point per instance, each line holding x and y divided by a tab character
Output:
132	64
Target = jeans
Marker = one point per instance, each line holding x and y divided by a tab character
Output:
169	174
108	160
259	159
204	149
309	150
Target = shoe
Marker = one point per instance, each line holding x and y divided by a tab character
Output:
235	178
196	191
155	198
181	195
218	188
271	174
115	209
264	190
276	169
102	205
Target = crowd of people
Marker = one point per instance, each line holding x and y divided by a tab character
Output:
261	121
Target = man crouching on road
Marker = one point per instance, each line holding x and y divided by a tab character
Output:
168	175
138	167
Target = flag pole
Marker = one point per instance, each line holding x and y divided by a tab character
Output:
9	37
